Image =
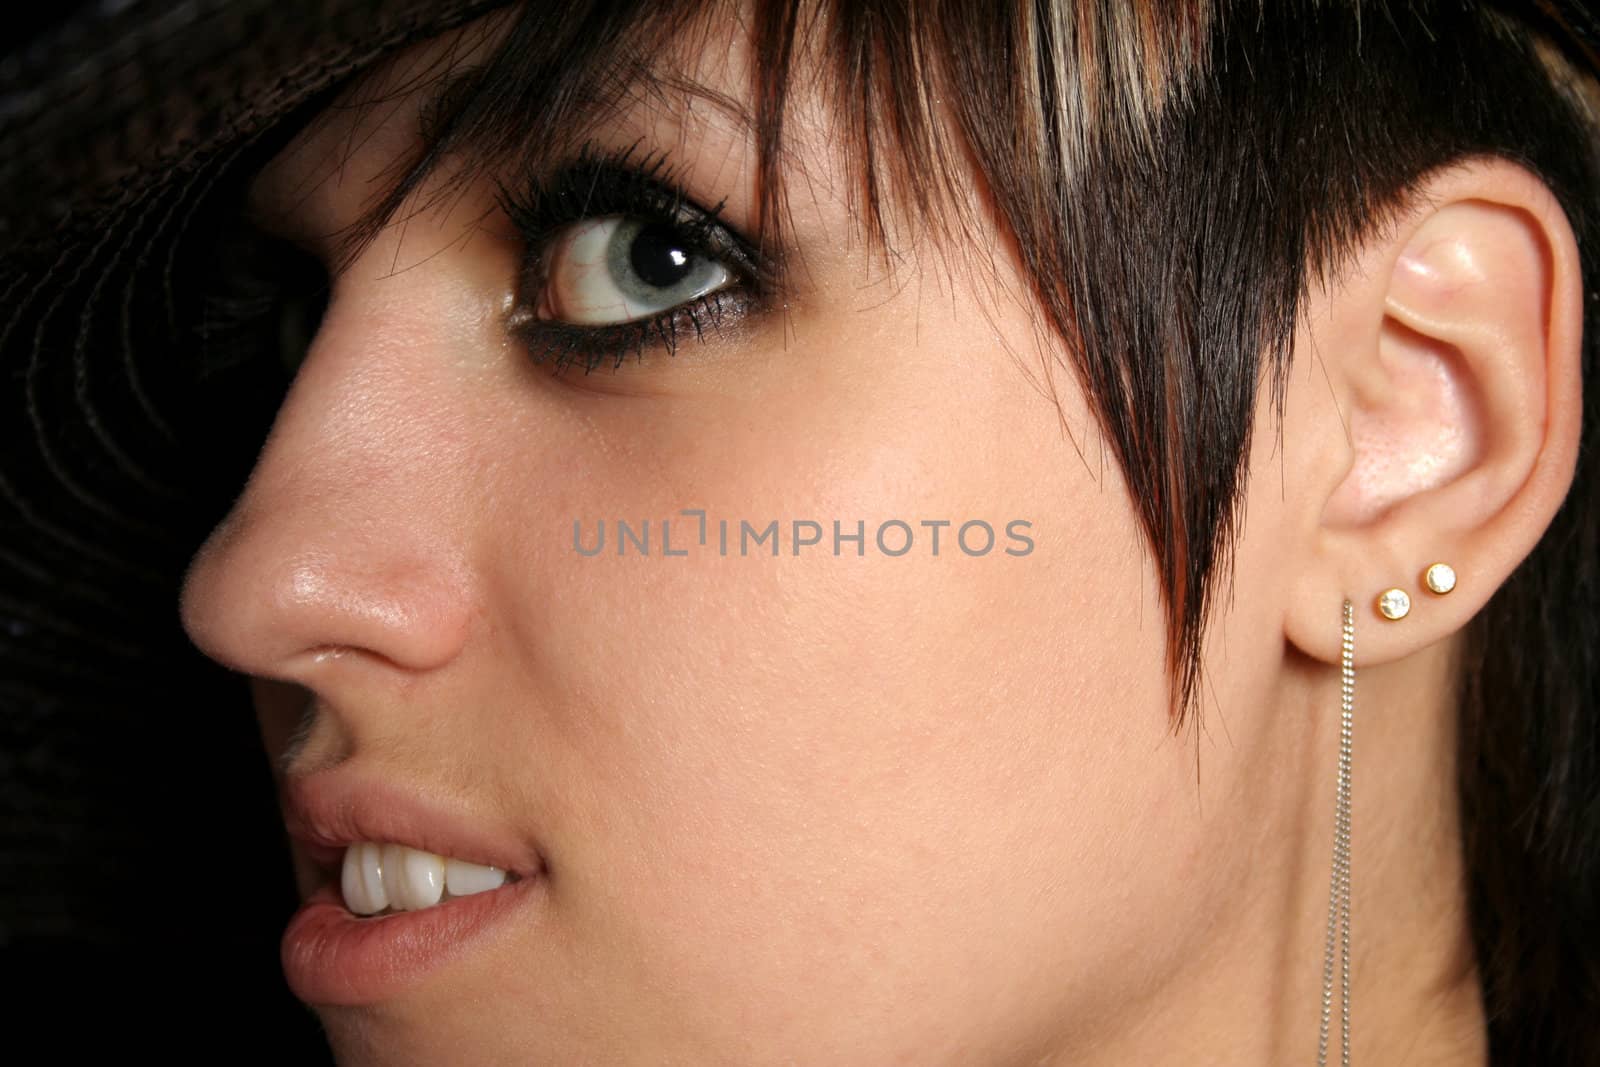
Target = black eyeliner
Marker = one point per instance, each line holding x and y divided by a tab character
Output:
601	181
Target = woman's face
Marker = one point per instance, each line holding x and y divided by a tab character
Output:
840	804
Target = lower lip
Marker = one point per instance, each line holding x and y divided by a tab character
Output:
331	956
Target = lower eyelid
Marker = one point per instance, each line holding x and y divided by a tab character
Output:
585	349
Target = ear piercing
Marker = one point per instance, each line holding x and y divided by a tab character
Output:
1339	881
1441	578
1396	603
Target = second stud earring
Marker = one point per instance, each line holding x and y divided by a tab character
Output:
1441	578
1394	603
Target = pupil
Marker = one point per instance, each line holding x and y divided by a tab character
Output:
658	257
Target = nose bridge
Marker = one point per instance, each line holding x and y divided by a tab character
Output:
351	532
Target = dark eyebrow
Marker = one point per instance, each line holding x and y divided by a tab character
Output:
453	91
691	89
537	89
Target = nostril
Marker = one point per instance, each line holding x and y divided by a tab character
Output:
287	713
286	589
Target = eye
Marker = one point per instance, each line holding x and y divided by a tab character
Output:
263	298
618	258
616	269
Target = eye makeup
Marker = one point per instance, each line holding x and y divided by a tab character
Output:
640	193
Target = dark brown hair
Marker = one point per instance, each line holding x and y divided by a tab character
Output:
1175	177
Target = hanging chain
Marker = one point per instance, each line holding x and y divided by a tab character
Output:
1339	888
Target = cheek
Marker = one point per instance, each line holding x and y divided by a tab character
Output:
940	759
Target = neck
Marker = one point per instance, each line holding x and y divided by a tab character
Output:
1253	994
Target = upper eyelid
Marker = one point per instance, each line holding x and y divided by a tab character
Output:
682	211
691	228
643	186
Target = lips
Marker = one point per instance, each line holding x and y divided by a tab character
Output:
333	956
329	811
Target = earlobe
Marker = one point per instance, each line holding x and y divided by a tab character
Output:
1454	359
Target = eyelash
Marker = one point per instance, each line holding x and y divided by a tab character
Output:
608	181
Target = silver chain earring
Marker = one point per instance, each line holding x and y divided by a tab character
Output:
1339	889
1393	604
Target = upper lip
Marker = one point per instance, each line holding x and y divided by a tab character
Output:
330	810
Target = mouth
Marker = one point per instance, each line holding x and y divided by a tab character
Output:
404	886
376	879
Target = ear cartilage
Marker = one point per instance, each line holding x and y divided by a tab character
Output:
1394	603
1441	578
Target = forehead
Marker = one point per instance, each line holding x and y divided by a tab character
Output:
323	175
693	93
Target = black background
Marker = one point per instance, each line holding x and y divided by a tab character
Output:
144	878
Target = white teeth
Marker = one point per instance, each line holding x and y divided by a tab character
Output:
414	880
464	879
362	879
377	876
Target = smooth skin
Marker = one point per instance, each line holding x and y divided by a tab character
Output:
917	810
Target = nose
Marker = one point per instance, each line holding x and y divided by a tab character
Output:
351	534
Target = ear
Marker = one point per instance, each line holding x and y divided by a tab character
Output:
1449	430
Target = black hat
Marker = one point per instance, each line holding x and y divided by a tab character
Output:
126	130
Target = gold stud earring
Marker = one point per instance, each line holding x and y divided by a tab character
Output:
1394	603
1441	578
